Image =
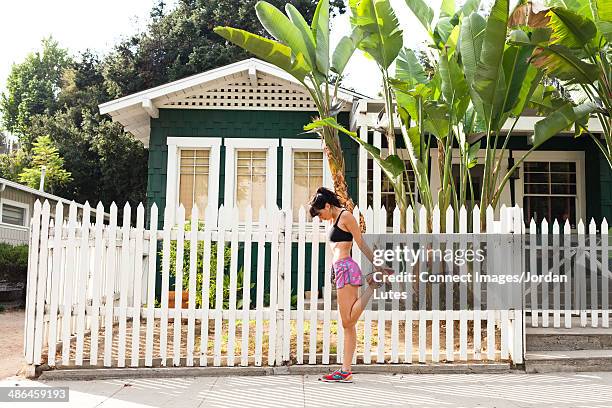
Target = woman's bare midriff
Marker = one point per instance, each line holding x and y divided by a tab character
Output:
340	250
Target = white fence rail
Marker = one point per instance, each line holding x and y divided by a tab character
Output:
256	293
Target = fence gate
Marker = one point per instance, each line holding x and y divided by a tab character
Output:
255	291
569	270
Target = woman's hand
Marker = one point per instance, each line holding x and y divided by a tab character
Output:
385	271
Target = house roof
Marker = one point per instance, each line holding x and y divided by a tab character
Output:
248	84
43	195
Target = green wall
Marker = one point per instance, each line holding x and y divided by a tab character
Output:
232	124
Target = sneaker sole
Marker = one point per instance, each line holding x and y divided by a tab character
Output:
336	381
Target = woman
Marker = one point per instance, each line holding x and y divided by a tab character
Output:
346	274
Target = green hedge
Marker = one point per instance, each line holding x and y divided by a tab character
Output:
13	262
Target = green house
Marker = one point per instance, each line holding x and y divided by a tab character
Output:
233	136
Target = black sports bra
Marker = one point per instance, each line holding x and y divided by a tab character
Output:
337	234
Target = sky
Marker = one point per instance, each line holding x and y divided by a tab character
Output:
85	24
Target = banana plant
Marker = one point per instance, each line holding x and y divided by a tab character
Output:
382	41
573	47
502	84
438	106
303	51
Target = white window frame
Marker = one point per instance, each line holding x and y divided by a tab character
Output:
232	145
291	146
175	145
556	156
24	206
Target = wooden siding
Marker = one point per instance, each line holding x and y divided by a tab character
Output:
13	194
14	235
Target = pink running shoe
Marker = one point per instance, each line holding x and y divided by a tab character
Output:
338	376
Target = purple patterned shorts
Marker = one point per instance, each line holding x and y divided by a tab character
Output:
346	271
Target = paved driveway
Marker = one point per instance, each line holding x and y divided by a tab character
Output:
593	390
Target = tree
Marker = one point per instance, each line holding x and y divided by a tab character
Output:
32	87
572	46
181	42
12	164
303	51
44	153
106	163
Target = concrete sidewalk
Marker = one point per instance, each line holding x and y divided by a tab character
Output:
369	390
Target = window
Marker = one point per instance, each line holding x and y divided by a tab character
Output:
192	176
550	191
250	174
13	214
193	180
304	170
250	181
307	177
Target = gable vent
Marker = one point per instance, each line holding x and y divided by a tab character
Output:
269	94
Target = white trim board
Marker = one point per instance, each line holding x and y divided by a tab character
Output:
175	144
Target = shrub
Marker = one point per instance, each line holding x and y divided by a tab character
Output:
13	262
213	271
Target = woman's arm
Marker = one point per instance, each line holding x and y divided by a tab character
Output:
350	225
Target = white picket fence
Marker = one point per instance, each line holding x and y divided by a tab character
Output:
95	297
581	258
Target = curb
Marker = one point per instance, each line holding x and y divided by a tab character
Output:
87	374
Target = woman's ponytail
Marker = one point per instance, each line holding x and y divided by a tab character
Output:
322	197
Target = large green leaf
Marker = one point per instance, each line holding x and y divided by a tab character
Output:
268	50
447	8
470	44
281	28
545	99
469	7
559	120
560	62
436	120
331	122
453	82
602	14
443	30
344	51
382	35
488	79
422	12
320	31
408	69
298	20
516	64
570	29
532	79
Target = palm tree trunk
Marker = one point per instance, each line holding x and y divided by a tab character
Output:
335	159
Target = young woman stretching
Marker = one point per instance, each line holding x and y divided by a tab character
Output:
346	274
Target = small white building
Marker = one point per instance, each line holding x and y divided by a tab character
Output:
16	208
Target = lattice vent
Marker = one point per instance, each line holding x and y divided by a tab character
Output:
241	95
